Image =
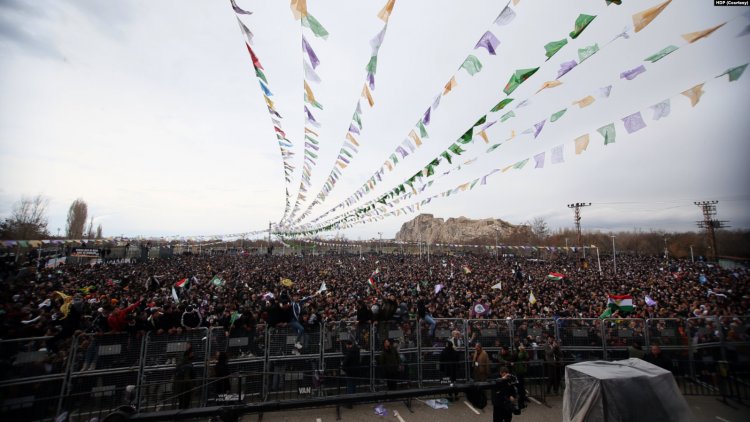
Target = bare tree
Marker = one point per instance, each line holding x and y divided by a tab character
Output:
90	231
77	214
99	231
28	219
539	228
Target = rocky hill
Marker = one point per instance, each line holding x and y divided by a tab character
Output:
454	230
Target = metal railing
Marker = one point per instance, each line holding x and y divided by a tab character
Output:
99	373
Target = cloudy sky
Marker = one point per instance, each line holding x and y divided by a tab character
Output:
151	111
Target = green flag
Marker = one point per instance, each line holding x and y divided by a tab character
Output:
456	149
660	54
501	104
494	147
310	22
216	281
422	130
372	65
519	165
608	132
581	23
518	78
447	156
259	73
394	158
481	121
735	72
507	116
357	119
556	116
472	65
553	47
466	137
586	52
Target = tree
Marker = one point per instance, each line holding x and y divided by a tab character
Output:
28	220
99	231
90	231
77	214
539	228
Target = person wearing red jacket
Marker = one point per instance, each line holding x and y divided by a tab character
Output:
118	318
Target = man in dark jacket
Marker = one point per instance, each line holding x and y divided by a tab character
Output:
504	397
183	379
350	366
389	364
449	359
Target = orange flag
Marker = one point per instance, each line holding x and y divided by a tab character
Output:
582	142
450	85
308	91
695	36
694	94
413	135
311	131
584	102
549	84
299	8
387	10
366	94
483	134
351	138
642	19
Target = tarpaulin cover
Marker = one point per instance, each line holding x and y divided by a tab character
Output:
626	390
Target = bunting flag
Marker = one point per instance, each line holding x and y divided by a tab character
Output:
450	85
695	36
634	122
581	23
385	13
586	52
605	91
734	73
506	16
608	132
643	18
518	77
582	142
366	94
557	115
566	67
538	128
661	109
548	84
472	65
694	94
557	155
664	52
632	73
551	48
539	160
585	101
238	10
488	41
314	61
502	104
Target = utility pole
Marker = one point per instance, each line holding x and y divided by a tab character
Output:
577	217
614	254
710	224
381	241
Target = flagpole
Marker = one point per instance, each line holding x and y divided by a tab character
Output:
598	260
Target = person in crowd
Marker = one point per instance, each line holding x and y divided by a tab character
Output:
656	357
184	379
221	373
351	367
449	361
480	363
389	365
553	364
504	397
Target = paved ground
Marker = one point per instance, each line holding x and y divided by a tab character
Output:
704	409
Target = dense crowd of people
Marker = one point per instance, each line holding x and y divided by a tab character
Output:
231	290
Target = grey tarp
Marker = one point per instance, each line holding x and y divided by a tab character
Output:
626	390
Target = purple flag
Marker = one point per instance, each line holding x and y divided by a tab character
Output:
402	151
634	122
488	41
310	118
539	159
313	146
426	118
523	103
566	67
649	301
632	73
436	103
438	288
505	17
605	91
377	41
342	158
371	80
238	10
310	53
538	128
353	128
487	125
557	154
272	111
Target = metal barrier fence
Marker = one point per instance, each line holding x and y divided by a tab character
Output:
98	373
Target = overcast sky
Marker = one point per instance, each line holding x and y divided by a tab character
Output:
151	111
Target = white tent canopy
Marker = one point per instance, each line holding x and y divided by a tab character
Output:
626	390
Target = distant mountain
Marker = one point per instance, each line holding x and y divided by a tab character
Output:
455	230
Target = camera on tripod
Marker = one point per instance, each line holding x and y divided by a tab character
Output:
512	382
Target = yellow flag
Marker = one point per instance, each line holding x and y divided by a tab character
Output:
413	135
366	94
387	10
389	165
310	131
695	36
507	168
450	85
308	91
464	187
299	8
512	134
694	94
582	142
642	19
532	298
351	139
515	2
268	101
286	282
584	102
483	134
549	84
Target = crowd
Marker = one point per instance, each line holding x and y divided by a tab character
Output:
230	290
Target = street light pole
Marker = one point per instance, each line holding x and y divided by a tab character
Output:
614	254
666	251
692	259
380	243
598	261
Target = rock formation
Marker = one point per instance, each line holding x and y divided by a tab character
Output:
454	230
